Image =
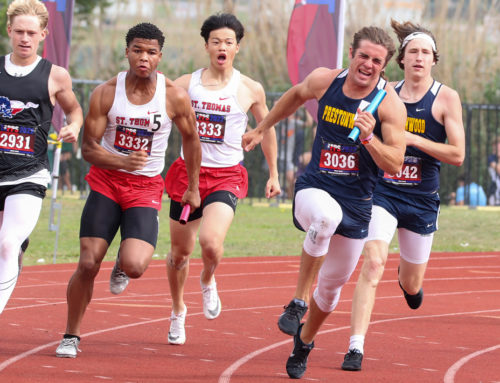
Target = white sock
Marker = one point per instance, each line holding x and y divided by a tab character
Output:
357	342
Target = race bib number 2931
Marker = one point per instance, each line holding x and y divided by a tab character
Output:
18	140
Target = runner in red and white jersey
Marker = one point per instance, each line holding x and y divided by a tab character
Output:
221	97
125	138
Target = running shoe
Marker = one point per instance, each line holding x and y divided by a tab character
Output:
413	301
211	301
68	348
24	246
289	320
352	360
177	333
118	280
297	362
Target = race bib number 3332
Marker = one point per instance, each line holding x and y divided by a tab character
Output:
129	140
339	160
18	140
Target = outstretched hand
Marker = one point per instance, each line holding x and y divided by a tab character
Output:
251	139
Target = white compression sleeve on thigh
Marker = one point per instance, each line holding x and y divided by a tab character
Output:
19	219
382	225
415	248
340	262
319	214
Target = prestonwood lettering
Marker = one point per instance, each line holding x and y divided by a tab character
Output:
338	116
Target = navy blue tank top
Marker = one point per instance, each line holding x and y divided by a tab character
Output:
420	172
340	167
25	118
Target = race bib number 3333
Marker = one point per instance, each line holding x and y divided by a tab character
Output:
339	160
133	139
211	127
18	140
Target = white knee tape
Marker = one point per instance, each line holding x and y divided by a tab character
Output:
319	234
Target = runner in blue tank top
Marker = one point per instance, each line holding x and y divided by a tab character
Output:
408	200
333	198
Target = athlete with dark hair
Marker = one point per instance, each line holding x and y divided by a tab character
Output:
30	86
221	97
125	139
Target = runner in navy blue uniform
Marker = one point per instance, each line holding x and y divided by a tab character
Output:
29	88
125	138
333	198
408	201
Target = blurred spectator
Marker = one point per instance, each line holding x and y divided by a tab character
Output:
475	193
494	190
64	167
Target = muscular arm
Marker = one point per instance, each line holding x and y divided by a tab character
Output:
449	112
313	86
389	154
61	90
269	144
179	104
95	125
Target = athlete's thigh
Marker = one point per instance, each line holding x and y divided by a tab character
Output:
415	248
101	217
183	237
382	225
140	223
311	204
20	215
216	220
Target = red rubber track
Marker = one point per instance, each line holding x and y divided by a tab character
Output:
453	338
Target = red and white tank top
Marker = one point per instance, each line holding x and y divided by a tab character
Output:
220	120
139	127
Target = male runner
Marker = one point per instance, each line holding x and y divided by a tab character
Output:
29	88
333	198
408	200
221	97
125	139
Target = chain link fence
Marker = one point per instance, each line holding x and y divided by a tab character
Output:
295	136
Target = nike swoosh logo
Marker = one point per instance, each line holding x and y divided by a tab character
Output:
223	98
152	112
420	110
216	310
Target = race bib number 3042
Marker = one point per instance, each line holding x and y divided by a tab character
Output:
339	160
19	140
410	174
211	127
129	140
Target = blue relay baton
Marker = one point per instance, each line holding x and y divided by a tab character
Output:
353	136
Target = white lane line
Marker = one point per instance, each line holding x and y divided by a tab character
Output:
449	377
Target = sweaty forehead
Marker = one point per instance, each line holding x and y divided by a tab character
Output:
371	49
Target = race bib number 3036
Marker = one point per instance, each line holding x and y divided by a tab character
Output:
339	159
133	139
211	127
18	140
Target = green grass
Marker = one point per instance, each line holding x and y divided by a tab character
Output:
257	230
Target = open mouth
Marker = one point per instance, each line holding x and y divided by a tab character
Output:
221	58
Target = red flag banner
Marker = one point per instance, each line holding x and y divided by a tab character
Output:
315	39
57	44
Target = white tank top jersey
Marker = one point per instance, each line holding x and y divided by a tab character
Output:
139	127
220	121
